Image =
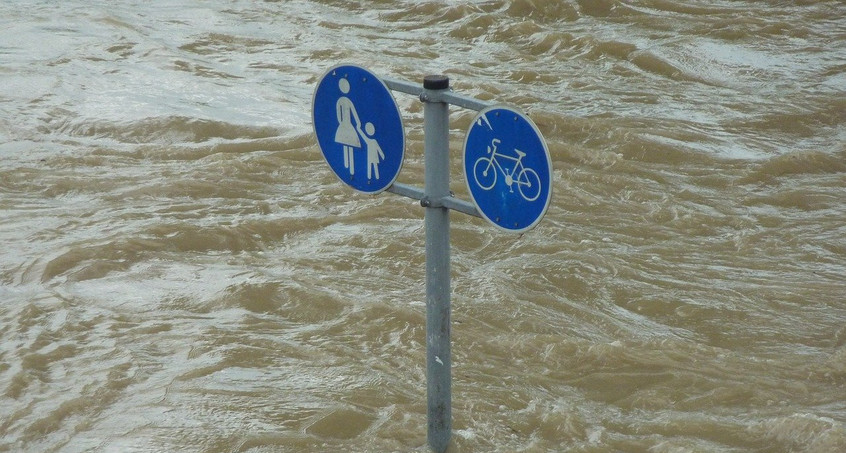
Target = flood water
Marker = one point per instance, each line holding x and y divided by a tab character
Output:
180	271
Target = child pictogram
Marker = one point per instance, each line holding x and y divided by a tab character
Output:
374	151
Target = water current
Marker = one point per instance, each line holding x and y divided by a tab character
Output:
180	271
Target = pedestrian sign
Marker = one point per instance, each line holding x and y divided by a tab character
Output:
358	128
507	168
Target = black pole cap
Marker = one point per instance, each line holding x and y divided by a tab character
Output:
436	82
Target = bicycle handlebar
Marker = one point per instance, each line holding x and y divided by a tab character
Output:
494	142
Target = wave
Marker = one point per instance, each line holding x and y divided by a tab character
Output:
797	163
163	130
803	432
92	260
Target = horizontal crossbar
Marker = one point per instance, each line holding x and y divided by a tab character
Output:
446	96
449	202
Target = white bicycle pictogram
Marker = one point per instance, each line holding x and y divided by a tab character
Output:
485	172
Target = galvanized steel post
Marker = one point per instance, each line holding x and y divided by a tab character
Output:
436	180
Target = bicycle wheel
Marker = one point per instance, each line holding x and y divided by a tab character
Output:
484	171
529	185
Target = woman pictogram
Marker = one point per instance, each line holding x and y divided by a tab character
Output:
347	134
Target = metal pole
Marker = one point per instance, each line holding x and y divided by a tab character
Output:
438	360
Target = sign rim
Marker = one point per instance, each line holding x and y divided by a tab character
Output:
548	160
396	108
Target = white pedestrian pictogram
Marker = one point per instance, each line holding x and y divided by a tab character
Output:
351	135
374	151
346	134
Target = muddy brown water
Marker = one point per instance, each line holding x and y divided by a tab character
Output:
181	272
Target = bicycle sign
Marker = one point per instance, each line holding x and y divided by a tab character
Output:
508	169
485	172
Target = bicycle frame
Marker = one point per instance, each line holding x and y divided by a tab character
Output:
509	178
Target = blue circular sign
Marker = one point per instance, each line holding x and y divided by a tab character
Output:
508	169
358	128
